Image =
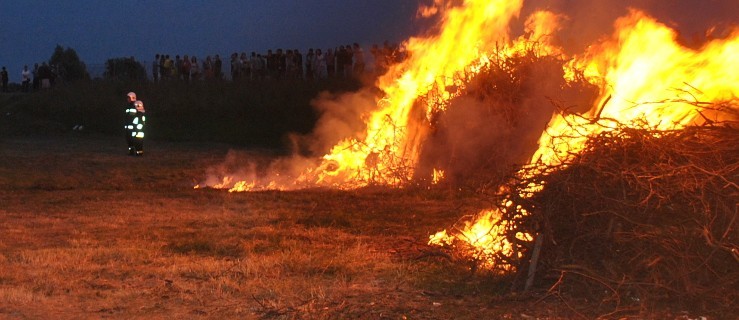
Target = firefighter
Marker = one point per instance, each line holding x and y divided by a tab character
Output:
130	115
135	121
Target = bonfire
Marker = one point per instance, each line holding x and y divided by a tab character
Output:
629	194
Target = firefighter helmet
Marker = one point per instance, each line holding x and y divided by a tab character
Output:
139	106
131	96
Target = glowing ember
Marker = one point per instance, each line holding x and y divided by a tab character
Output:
438	176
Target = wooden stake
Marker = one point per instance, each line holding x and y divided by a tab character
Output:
533	262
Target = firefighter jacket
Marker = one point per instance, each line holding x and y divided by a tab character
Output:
135	121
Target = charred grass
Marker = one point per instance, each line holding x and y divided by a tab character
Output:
88	232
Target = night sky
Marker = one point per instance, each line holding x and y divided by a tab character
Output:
101	29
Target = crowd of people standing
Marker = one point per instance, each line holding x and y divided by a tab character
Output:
344	61
41	76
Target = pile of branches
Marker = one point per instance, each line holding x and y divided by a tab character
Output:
485	128
640	219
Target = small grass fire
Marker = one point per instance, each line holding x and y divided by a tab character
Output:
637	159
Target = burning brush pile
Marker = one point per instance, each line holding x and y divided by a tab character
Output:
628	195
640	216
633	202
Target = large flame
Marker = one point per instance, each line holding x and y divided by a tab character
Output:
387	151
646	78
643	72
645	75
390	147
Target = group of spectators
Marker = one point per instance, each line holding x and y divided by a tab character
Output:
344	61
42	76
186	68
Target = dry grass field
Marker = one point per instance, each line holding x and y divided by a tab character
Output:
89	232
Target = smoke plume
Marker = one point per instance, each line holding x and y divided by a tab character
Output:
588	21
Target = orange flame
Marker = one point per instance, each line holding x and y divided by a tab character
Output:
642	71
390	147
646	77
388	150
438	176
483	236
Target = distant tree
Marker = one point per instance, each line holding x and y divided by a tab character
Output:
124	69
67	65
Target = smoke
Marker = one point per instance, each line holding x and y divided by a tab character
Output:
589	21
259	171
496	124
341	116
237	165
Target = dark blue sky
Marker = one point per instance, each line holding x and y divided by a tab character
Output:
101	29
